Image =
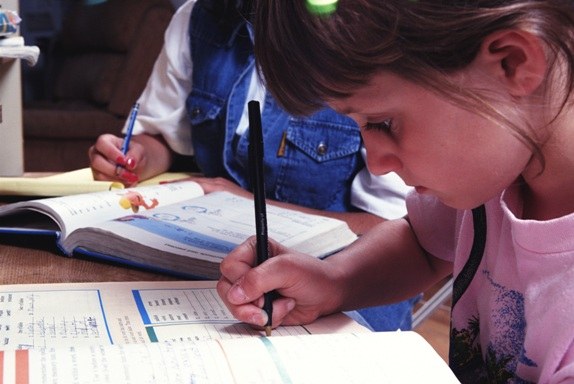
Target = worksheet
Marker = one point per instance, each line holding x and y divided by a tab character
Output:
177	332
338	358
65	315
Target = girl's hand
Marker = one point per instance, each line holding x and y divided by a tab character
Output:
109	163
304	285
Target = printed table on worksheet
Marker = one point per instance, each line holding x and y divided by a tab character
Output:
73	317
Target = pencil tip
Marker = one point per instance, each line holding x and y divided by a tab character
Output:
268	330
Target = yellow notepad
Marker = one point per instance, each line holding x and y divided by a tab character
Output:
69	183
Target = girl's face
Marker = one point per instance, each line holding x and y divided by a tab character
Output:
432	144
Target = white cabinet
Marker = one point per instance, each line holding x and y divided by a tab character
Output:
11	137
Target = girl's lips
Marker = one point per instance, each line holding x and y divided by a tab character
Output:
421	189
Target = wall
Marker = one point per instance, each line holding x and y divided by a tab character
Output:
41	20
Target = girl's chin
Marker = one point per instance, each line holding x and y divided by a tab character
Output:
442	198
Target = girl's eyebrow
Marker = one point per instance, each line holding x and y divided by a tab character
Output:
345	111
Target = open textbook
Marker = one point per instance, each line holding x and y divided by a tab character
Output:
171	227
181	332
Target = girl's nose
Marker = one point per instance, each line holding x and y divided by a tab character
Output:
381	155
382	164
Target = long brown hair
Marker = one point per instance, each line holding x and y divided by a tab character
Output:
307	59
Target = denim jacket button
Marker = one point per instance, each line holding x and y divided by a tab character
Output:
321	149
195	112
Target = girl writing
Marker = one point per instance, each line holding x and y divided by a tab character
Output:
470	102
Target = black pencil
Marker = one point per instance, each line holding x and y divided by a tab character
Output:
258	186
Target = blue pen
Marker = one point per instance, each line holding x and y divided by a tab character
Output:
126	143
133	115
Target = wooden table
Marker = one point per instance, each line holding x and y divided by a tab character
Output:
34	259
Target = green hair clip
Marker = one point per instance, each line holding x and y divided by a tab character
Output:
322	7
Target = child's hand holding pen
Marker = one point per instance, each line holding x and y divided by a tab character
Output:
110	164
303	284
109	156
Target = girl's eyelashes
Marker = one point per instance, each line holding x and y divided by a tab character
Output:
385	126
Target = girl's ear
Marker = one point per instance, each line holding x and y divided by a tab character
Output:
516	58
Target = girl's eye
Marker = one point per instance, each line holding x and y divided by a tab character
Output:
385	126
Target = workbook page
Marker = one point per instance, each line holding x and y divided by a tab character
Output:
65	315
377	357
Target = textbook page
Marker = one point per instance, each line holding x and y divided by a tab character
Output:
377	357
76	211
70	315
193	236
208	228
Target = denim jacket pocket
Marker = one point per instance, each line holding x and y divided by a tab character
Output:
203	106
323	141
320	162
208	132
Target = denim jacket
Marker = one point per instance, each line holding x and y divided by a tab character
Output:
308	161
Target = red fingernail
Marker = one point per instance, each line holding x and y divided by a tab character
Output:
128	176
131	163
121	160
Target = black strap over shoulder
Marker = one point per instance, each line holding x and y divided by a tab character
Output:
467	273
462	282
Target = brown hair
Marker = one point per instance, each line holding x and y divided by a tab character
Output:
306	59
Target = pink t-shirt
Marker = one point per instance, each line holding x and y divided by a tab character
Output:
515	322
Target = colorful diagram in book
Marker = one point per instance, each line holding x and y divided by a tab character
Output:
134	200
177	233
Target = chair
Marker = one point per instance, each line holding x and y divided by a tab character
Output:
437	299
97	67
